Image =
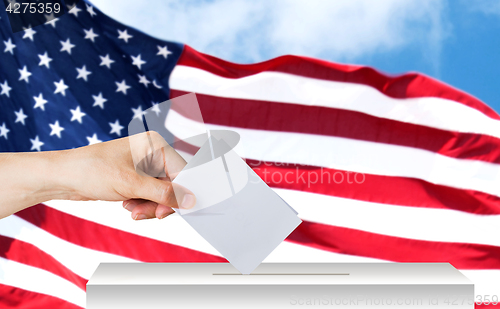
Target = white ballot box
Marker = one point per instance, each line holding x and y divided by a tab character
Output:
278	285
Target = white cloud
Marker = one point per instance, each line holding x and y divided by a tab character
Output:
249	31
484	6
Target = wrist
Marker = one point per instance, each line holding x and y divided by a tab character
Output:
65	172
29	178
50	178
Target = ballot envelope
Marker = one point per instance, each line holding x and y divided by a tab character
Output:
235	211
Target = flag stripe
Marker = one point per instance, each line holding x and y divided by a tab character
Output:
137	248
353	155
337	122
172	230
409	222
366	187
410	85
292	89
25	253
399	224
16	298
40	281
397	249
374	188
440	225
78	259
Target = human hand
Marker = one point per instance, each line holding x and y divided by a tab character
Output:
128	170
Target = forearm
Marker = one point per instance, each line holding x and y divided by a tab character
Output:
104	171
27	179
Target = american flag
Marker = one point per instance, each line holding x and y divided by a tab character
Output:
380	168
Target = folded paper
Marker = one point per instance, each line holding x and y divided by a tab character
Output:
235	211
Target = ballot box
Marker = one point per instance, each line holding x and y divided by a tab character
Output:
279	285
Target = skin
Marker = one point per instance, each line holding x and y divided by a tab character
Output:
137	170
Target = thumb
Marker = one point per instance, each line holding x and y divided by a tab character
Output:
164	192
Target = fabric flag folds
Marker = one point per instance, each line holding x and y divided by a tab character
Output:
380	168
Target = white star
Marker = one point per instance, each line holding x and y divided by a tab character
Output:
29	33
67	46
75	10
106	61
156	108
90	9
90	34
9	47
143	80
93	139
36	144
77	114
163	51
61	87
20	116
45	60
116	128
137	61
124	35
5	89
25	74
83	73
122	87
138	113
40	102
56	129
51	19
99	100
4	130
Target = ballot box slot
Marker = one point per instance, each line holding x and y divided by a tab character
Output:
286	274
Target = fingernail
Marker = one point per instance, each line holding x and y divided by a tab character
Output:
165	214
140	217
188	201
125	204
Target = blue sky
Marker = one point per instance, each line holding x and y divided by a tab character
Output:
456	41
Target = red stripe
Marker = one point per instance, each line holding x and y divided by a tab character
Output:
25	253
17	298
360	243
106	239
410	85
374	188
319	120
390	190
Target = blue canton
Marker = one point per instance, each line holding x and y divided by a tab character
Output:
78	80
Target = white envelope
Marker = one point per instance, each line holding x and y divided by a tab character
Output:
236	212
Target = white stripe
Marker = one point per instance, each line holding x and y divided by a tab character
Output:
409	222
176	231
288	252
355	155
172	229
80	260
39	281
399	221
287	88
